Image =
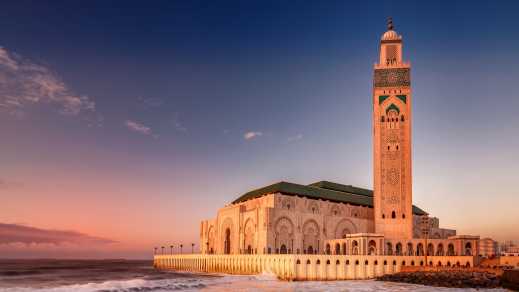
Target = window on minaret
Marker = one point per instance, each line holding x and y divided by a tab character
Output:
393	214
382	119
402	118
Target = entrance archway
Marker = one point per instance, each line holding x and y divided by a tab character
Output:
283	249
227	242
468	249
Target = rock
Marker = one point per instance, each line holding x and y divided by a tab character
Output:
455	279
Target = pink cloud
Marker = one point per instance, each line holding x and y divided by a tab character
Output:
15	233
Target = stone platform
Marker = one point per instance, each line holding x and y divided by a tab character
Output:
300	267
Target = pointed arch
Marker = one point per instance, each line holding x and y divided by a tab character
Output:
345	226
392	107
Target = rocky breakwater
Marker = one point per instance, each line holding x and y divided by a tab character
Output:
510	279
452	279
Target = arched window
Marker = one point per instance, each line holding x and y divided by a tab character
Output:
328	262
328	249
337	262
403	216
354	248
337	248
318	262
298	262
372	247
383	216
389	248
393	214
402	118
382	119
399	249
307	262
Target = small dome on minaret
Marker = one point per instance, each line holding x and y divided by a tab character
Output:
390	34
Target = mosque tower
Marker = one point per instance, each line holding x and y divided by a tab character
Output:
392	118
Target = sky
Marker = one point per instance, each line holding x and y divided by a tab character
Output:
124	124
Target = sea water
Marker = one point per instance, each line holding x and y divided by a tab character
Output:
137	276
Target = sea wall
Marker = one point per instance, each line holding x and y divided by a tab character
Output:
302	266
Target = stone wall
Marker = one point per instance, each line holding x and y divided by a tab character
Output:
301	267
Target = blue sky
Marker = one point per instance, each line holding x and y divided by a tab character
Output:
147	108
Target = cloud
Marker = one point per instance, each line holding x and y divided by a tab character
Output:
7	185
138	127
24	83
15	233
150	102
180	127
295	138
252	135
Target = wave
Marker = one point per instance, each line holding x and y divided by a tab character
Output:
265	281
133	285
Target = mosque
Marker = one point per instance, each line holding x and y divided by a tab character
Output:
336	219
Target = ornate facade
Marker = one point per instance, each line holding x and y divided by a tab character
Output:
336	219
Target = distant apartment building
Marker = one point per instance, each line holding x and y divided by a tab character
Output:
508	248
487	247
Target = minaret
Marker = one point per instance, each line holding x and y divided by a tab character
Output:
392	139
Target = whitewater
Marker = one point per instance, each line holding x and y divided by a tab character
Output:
137	276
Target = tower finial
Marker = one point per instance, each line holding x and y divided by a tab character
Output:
390	23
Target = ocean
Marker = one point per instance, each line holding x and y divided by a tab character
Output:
137	276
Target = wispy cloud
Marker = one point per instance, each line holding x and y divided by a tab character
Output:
251	135
150	102
180	127
4	184
138	127
294	138
15	233
23	83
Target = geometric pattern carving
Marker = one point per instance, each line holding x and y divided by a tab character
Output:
392	77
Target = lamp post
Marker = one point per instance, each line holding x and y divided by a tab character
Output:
154	250
171	249
162	249
192	248
425	233
207	247
181	246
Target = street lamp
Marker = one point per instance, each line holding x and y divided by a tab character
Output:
192	248
181	246
154	251
425	233
162	249
171	249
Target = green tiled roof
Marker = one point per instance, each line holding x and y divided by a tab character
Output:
323	190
